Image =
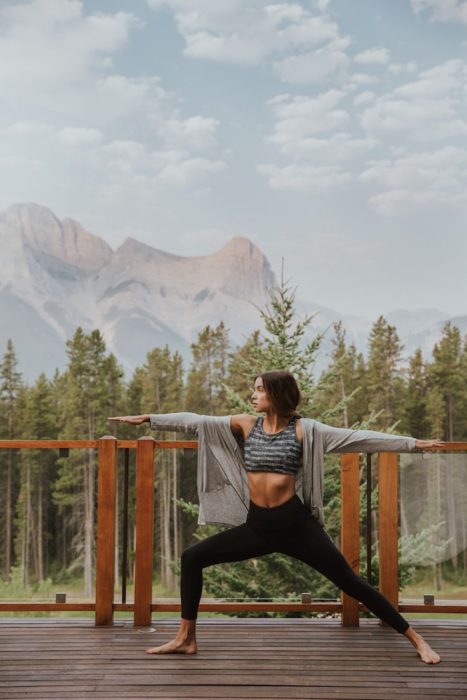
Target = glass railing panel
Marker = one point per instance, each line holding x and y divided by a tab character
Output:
433	526
48	529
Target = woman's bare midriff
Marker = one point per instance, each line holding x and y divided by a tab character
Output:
269	490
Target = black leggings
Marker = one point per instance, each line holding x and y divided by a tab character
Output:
289	529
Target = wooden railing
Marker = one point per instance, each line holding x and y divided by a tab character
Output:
146	452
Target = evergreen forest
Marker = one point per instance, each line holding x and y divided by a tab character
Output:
48	498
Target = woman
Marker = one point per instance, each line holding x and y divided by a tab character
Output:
277	520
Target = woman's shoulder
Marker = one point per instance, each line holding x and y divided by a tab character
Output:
241	423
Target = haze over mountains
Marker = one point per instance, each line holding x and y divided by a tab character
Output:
55	275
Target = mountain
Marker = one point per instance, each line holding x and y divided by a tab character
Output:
56	276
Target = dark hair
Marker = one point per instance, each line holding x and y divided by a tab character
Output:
282	389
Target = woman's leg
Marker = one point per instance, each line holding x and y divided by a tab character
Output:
235	544
316	548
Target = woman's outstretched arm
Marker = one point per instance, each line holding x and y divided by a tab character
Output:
164	421
134	420
346	440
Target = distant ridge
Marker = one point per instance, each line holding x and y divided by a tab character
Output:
56	275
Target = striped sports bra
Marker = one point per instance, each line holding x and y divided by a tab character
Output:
280	452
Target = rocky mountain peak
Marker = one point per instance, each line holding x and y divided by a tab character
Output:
239	246
66	240
245	268
131	249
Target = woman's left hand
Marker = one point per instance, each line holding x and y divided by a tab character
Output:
424	444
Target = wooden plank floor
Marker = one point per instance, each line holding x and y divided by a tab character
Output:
237	658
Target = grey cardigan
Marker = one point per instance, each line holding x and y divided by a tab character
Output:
221	475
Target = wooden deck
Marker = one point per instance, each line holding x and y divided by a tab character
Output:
237	658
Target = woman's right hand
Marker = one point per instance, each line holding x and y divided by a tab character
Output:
134	420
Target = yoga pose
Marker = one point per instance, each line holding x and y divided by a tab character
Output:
277	519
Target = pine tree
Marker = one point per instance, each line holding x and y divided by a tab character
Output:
10	387
445	372
93	390
346	388
205	390
37	472
446	376
416	413
385	377
162	392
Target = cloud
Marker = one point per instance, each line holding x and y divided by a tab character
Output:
52	44
356	80
246	32
178	169
364	98
442	10
317	139
304	178
196	133
301	134
375	56
335	149
398	68
27	128
428	179
301	115
425	109
315	66
57	67
77	136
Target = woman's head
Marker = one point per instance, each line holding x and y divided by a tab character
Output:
277	391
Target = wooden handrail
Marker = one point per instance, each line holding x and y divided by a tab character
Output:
145	447
86	444
182	444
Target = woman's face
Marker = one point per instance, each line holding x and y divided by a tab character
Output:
259	397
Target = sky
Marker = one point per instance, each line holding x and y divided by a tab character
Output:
331	133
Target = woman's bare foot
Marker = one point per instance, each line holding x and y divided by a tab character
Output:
176	646
184	642
424	650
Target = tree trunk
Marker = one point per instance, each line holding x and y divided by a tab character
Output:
176	539
32	530
25	547
8	520
40	537
159	542
134	558
165	511
450	499
342	388
64	541
116	562
375	532
404	525
464	541
88	522
170	490
8	506
438	567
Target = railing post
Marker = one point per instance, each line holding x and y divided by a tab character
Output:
388	521
144	530
105	542
350	529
